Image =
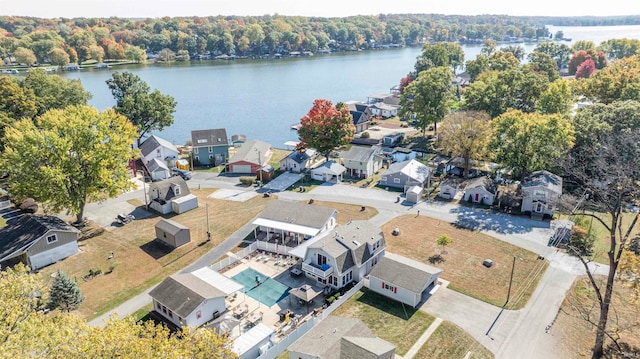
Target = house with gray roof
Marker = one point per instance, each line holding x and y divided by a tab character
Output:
292	223
540	193
249	158
158	169
362	162
406	174
384	110
298	161
172	233
403	279
158	155
171	195
481	190
361	121
37	241
341	338
330	171
210	147
193	299
343	255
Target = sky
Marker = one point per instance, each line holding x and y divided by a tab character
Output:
322	8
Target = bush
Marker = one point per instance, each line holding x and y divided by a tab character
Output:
365	135
247	181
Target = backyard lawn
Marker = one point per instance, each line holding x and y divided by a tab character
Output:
451	341
139	262
349	211
462	261
389	320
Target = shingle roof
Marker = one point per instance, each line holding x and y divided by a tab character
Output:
182	293
150	144
403	272
297	213
214	137
18	235
364	347
156	164
325	339
349	240
250	151
169	226
359	154
332	167
298	157
411	168
544	179
359	117
164	189
485	183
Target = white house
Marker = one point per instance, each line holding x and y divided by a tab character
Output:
37	241
193	299
171	195
155	147
297	161
540	193
414	194
403	279
384	110
328	171
362	162
343	255
341	337
158	169
406	174
481	190
449	188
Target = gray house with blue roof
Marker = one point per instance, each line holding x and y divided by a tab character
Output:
298	161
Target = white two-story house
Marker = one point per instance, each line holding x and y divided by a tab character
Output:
344	255
362	162
540	193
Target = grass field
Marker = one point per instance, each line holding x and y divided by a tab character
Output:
389	320
450	341
462	263
349	211
139	261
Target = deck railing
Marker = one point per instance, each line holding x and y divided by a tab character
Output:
306	267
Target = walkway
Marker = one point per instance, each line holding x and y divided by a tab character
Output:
423	339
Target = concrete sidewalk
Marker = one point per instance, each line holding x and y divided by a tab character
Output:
423	339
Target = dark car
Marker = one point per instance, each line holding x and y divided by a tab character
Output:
186	175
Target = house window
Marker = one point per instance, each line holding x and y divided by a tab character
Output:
52	239
210	157
199	314
383	178
176	190
164	309
195	150
390	288
158	154
210	149
396	180
321	259
170	313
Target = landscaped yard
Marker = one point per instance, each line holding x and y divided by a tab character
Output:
450	341
462	262
575	337
389	320
139	261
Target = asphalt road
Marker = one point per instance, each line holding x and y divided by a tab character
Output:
515	334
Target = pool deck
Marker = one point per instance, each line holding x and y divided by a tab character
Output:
270	315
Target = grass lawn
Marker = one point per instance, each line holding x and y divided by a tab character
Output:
2	222
139	261
576	337
283	355
388	319
450	341
462	263
143	313
349	211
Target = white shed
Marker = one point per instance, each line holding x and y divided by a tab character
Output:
184	204
249	344
449	189
414	194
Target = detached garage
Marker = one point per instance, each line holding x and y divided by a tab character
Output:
402	279
183	204
172	233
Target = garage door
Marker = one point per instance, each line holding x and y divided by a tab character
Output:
241	168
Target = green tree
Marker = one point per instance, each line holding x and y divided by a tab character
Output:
25	56
620	48
444	241
326	127
465	134
559	52
429	97
517	51
440	54
135	54
146	110
95	52
543	64
58	57
72	156
53	91
617	82
166	55
557	98
583	45
64	293
527	142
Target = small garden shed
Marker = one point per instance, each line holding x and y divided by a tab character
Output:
414	194
172	233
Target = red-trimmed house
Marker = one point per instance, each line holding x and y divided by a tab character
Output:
249	158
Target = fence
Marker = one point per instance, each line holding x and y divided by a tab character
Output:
225	262
272	247
281	346
343	298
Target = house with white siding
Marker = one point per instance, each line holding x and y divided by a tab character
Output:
540	193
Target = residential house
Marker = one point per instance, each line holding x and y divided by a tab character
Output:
400	154
343	255
171	195
384	110
341	338
172	233
157	169
37	241
481	190
387	98
362	162
328	171
297	161
193	299
160	149
250	157
393	139
403	279
238	140
210	147
293	222
361	121
406	174
540	193
449	188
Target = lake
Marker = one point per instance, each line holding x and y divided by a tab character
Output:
263	98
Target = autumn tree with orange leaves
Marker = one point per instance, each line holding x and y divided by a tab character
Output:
325	127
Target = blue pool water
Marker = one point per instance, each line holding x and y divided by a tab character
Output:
269	292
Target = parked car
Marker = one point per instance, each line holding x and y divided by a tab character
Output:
186	175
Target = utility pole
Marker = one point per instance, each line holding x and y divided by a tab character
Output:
208	230
513	265
259	165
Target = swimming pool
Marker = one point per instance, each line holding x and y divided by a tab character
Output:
269	292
